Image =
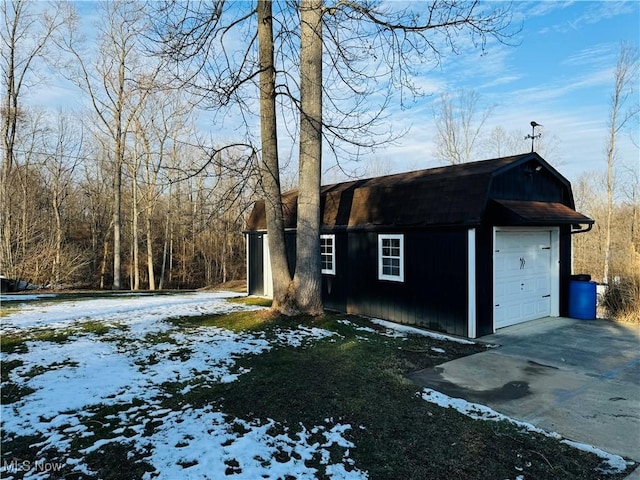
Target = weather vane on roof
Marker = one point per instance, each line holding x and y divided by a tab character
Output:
533	135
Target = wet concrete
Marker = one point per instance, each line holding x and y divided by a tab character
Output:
580	379
433	378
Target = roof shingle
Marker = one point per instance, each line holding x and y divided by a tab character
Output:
452	195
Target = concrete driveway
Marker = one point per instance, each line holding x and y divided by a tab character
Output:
578	378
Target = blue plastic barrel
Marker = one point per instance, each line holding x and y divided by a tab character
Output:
582	300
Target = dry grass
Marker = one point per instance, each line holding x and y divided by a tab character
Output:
622	298
239	286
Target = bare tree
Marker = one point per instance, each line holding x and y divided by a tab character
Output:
116	82
459	122
307	282
65	147
401	34
502	142
24	35
622	110
27	205
270	166
97	207
350	34
166	119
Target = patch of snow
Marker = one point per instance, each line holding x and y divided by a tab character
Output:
203	439
302	335
438	350
73	377
482	412
129	310
616	463
358	327
398	330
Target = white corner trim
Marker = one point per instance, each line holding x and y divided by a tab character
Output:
266	265
471	286
246	251
555	272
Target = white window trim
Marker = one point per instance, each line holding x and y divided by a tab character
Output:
331	271
382	276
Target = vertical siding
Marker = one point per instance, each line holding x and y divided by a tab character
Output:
565	269
335	287
434	291
516	184
484	280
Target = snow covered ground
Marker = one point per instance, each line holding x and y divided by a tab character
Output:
74	371
88	370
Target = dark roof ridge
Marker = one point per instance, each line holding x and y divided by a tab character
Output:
380	180
446	195
456	169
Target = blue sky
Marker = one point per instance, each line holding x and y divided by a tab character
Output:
559	74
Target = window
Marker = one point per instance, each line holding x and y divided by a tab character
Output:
391	257
328	254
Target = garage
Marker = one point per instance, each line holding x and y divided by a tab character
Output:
526	274
474	247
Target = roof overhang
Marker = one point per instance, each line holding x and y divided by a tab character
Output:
532	213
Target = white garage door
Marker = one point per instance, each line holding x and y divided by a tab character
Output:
523	277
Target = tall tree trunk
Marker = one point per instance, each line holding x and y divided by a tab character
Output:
610	187
269	166
223	256
152	278
610	183
625	77
308	278
117	223
24	223
103	264
164	253
134	234
120	138
8	140
9	129
58	241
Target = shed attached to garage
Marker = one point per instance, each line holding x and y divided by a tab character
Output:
464	249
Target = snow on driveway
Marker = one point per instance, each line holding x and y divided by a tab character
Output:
126	366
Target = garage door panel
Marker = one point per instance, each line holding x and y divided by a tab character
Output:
512	289
527	289
522	276
544	307
500	264
529	308
513	311
543	285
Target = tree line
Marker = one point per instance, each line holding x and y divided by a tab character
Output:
124	193
179	228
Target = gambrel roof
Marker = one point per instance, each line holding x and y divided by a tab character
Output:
516	190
